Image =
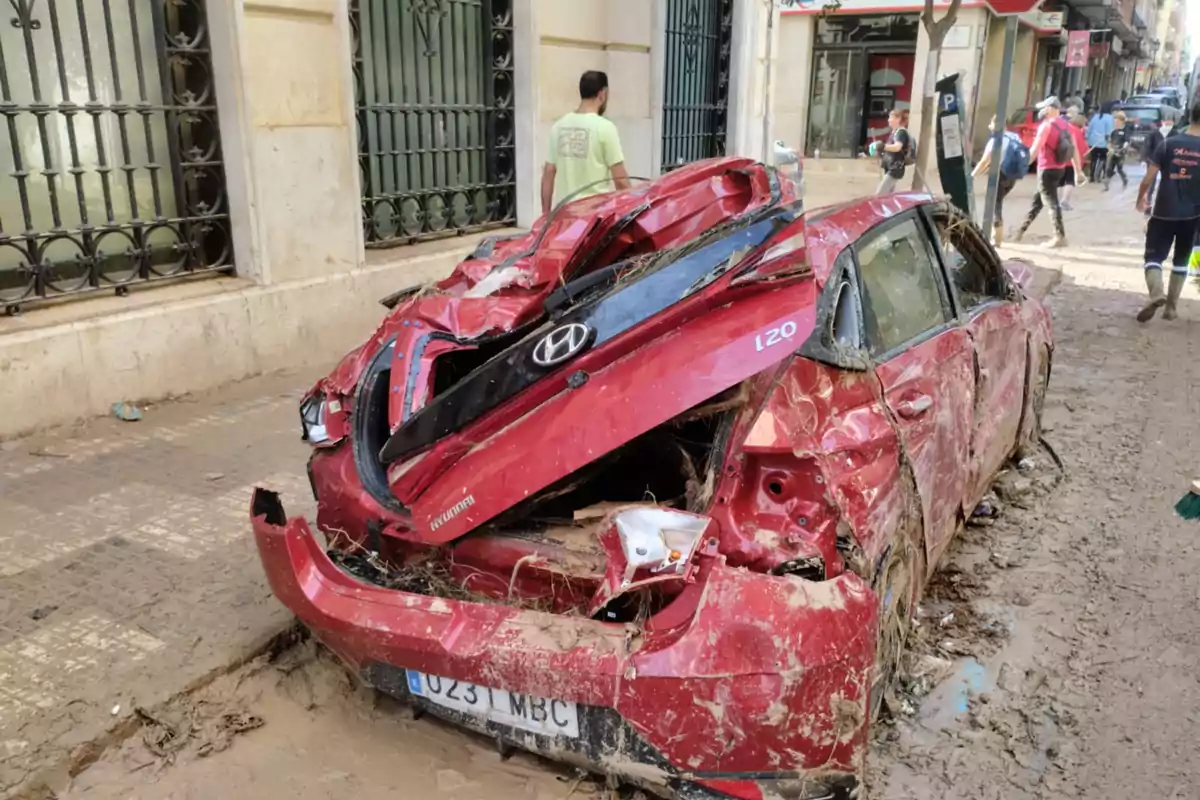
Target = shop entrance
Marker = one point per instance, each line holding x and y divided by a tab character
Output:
862	69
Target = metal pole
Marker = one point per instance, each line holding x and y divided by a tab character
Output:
766	131
993	187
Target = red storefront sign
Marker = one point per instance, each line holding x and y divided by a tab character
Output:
1002	8
1079	43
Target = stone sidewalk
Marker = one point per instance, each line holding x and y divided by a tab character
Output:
127	572
127	569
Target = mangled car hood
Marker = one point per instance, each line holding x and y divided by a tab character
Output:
541	353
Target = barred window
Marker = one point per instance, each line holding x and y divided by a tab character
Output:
437	146
110	161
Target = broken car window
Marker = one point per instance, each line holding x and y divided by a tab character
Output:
845	318
845	327
976	277
901	298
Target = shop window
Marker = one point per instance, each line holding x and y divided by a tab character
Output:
901	296
838	29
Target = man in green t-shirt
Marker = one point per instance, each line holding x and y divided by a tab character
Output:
584	155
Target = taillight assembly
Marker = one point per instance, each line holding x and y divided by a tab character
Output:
322	423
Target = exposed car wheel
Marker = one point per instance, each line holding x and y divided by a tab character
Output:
894	586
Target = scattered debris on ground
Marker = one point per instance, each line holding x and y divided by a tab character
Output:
127	412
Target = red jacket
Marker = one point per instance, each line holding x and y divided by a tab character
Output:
1080	139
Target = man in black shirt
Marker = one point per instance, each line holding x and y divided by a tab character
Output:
895	151
1174	216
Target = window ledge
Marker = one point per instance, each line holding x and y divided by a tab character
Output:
384	257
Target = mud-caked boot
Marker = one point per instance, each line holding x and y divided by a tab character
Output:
1158	298
1173	291
1057	243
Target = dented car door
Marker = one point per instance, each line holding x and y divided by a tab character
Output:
991	313
924	363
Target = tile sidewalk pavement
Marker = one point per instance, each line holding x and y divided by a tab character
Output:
127	570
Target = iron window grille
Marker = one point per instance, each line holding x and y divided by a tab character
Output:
699	44
111	174
437	146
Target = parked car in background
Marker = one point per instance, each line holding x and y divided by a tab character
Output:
1153	100
1141	118
1170	95
655	488
1024	123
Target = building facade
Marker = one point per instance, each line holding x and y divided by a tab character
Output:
845	69
197	191
847	66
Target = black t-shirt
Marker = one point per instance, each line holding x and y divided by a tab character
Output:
1154	138
1118	139
1178	160
893	163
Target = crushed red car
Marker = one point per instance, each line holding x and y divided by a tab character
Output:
654	488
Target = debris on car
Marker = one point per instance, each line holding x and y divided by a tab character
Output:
654	488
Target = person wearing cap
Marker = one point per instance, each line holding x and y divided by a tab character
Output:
1175	214
1050	168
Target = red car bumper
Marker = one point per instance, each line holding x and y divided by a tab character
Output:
747	686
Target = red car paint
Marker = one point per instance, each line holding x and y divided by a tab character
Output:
1025	124
835	488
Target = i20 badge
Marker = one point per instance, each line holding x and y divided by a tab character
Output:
562	344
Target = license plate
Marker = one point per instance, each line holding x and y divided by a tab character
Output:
529	713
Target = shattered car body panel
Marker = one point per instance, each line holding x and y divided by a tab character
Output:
773	692
647	466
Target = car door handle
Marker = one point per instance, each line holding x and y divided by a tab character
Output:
914	406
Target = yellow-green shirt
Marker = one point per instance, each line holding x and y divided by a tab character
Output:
583	148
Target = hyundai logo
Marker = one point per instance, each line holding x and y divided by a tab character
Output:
561	344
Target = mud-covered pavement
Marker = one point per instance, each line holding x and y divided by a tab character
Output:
1055	657
321	736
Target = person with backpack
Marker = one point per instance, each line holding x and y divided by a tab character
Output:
1053	151
897	151
1014	165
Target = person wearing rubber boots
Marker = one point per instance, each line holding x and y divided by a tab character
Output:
1174	216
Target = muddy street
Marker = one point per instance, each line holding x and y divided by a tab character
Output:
1091	689
321	736
1054	656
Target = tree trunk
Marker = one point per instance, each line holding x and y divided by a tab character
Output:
936	31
